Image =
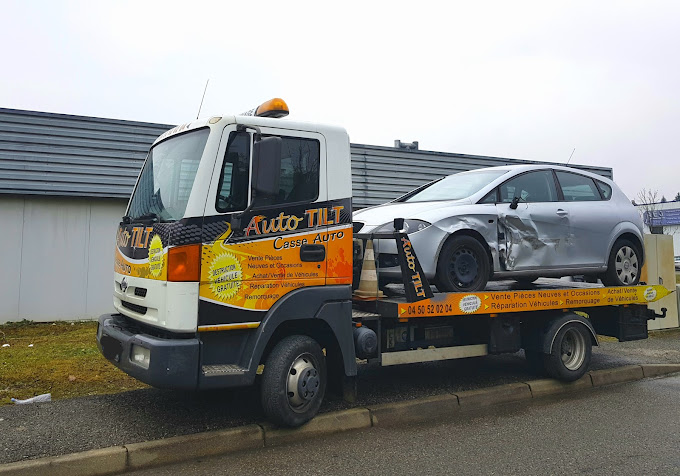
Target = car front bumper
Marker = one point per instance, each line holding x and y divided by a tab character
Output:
426	244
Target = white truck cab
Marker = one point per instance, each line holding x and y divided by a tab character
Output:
236	225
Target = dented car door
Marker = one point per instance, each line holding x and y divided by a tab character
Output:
533	226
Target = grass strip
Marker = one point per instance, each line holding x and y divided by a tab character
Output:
60	358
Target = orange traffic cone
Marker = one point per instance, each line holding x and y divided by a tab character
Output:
368	283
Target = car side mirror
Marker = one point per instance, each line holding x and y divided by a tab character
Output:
514	203
267	165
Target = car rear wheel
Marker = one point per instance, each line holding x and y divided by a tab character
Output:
463	265
623	268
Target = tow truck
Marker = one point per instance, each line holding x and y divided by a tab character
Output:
237	261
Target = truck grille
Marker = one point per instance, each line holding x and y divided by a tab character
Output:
134	307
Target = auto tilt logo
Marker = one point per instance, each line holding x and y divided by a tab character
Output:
261	225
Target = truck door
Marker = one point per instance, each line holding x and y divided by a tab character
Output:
252	258
535	233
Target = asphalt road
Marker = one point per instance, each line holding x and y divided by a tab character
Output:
69	426
628	429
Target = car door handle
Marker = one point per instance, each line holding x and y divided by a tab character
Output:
310	253
562	213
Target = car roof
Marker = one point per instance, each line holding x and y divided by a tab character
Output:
539	166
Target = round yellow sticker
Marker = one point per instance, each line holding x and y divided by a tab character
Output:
156	256
225	276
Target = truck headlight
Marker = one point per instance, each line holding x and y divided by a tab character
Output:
140	355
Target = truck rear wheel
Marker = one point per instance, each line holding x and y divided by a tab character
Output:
293	381
571	352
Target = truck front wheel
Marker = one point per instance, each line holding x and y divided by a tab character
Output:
293	381
571	352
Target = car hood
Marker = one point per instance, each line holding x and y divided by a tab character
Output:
375	216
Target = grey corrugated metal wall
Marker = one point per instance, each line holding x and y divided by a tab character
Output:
57	154
380	174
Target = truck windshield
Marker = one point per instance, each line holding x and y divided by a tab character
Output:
165	183
456	187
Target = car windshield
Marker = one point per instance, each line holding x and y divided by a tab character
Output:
456	187
163	189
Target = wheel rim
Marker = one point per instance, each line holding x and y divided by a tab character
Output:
626	265
464	267
573	349
303	383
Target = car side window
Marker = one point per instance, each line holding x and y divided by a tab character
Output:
536	186
491	197
577	188
605	189
299	179
232	192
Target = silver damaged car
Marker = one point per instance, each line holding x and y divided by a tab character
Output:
520	222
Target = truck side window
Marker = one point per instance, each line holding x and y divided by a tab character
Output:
232	194
299	179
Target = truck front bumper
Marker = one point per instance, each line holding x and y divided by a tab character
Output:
168	363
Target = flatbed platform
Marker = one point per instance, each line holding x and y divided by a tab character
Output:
510	296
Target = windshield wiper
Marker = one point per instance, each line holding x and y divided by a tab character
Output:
148	216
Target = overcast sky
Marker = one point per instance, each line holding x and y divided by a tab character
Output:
527	80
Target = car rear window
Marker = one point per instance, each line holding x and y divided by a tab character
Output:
605	189
577	188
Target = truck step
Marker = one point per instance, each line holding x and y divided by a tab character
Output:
357	314
217	370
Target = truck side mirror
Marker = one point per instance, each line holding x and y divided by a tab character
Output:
514	203
267	165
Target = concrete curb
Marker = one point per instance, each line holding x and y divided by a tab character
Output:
324	424
187	447
617	375
118	459
422	410
544	387
88	463
485	397
654	370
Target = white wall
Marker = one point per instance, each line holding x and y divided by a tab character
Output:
56	257
674	231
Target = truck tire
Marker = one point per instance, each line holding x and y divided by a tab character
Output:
463	265
571	352
624	265
293	381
